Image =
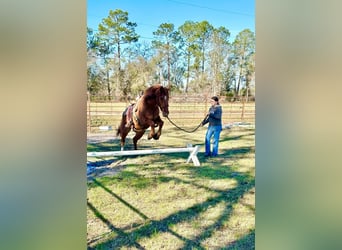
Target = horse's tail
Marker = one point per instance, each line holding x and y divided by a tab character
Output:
123	119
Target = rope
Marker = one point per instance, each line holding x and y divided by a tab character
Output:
187	131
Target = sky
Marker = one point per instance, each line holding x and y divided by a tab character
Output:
235	15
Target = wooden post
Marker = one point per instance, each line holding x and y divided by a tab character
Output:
243	109
206	104
89	113
193	156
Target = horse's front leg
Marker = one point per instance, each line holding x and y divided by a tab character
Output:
160	125
152	132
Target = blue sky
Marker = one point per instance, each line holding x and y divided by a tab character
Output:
235	15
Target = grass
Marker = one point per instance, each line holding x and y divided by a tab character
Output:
160	202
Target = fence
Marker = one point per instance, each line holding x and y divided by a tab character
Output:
186	112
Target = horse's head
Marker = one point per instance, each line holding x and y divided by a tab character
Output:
162	95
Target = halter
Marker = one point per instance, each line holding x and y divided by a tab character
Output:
162	108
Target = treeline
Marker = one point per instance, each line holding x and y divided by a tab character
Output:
196	57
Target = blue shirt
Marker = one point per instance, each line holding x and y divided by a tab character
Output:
214	116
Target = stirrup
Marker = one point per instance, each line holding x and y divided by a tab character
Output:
129	124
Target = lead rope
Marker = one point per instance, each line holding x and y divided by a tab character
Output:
185	129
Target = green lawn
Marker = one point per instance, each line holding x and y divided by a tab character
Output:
160	202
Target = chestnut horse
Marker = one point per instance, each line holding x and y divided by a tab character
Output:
145	114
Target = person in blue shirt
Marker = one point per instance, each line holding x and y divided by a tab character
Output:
214	118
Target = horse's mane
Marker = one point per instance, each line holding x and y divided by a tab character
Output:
153	91
156	87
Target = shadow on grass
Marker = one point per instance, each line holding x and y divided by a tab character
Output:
245	242
129	239
120	199
245	183
101	163
225	154
234	138
168	161
110	145
211	168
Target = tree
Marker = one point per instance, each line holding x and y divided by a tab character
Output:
203	33
140	49
196	57
218	54
93	83
187	34
94	80
243	49
92	40
165	39
104	50
117	30
250	73
139	73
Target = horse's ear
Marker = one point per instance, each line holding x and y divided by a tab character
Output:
165	88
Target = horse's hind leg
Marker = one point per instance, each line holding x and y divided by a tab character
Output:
138	135
123	131
122	142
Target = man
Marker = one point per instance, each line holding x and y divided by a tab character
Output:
214	117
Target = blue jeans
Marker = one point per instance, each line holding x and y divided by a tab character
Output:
212	131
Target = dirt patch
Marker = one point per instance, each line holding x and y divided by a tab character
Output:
104	168
100	168
100	138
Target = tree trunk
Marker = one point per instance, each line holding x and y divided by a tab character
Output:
188	75
119	57
109	89
118	84
168	67
203	59
239	81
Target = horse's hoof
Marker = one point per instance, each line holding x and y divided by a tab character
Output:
156	137
149	137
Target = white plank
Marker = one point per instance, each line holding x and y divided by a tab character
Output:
192	150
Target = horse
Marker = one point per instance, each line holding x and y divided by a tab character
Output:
144	114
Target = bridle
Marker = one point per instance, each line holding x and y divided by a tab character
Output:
162	107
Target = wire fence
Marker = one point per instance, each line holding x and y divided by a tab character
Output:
185	111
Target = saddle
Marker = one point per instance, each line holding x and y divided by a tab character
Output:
129	115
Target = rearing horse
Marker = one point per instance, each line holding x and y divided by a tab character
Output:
145	114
